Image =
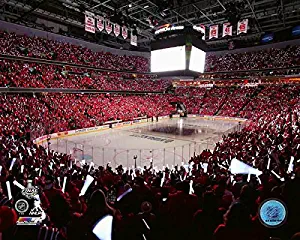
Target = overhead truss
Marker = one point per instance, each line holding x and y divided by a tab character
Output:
265	15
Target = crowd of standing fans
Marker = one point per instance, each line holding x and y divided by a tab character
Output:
220	208
145	202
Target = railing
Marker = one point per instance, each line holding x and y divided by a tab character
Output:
121	156
59	63
76	91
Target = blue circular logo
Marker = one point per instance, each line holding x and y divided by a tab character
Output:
272	213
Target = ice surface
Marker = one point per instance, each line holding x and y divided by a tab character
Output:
170	141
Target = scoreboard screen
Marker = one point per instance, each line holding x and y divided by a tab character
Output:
197	61
168	59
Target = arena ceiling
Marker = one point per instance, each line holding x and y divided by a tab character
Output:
145	15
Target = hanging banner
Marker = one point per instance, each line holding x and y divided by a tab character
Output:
213	31
90	22
108	26
133	39
227	29
242	26
200	28
124	32
100	23
116	29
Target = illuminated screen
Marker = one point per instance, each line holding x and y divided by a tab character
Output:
168	59
197	61
296	31
268	38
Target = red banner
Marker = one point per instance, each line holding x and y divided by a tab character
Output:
242	26
200	28
108	26
227	29
213	31
116	29
133	39
90	22
100	23
124	32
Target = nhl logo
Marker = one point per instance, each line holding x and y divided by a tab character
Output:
21	206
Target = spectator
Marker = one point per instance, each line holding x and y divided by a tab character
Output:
207	219
82	225
237	224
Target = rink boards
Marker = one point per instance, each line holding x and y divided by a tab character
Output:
166	142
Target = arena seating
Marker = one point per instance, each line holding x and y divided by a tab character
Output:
275	123
190	91
263	59
238	98
20	74
60	112
21	45
213	100
160	204
249	74
277	126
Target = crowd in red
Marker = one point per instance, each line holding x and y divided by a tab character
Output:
235	102
160	204
47	113
263	59
274	133
250	74
21	45
21	74
190	91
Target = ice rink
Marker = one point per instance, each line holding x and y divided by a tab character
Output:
168	142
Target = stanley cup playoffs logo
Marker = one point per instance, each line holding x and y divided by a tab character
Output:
28	206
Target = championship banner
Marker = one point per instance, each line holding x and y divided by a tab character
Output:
213	31
108	26
227	29
242	26
133	39
90	22
116	29
100	23
200	28
124	32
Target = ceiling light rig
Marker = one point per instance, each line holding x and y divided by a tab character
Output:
233	11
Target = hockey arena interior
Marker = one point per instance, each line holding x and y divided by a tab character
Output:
149	120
